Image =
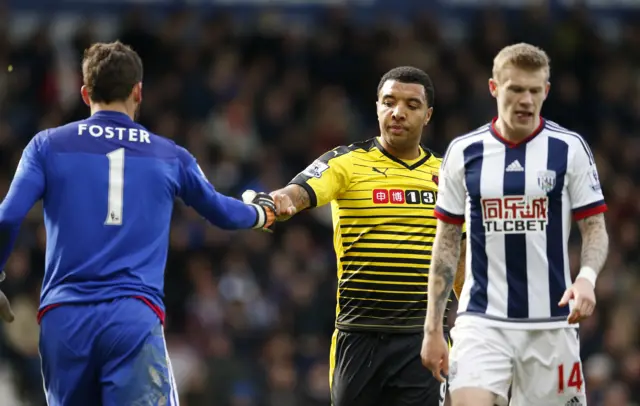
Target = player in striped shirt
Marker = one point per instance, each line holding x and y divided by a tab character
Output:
382	193
516	182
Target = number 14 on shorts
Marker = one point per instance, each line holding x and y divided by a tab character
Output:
569	376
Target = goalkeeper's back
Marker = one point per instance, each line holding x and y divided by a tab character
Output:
110	187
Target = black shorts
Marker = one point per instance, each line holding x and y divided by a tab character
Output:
371	369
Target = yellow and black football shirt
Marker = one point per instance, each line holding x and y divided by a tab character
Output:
384	229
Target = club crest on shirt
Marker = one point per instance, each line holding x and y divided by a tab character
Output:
547	180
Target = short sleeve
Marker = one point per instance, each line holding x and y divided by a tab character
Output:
451	189
327	177
585	192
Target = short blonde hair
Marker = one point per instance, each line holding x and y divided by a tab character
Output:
523	56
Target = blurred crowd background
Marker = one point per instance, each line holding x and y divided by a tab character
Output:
256	95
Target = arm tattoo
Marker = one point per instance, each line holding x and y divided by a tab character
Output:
458	282
446	250
298	195
595	242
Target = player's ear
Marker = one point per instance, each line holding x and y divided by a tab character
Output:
546	90
84	92
137	93
427	117
493	87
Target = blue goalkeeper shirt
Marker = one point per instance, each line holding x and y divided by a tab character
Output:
108	187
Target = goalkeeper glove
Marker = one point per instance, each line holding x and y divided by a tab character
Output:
265	207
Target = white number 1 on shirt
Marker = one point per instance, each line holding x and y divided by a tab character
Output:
116	187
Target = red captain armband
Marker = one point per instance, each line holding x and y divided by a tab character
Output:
447	217
589	210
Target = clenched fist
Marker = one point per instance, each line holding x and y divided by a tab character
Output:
284	206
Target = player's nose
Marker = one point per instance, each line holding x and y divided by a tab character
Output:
399	112
527	99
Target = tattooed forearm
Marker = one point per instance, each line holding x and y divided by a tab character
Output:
595	242
446	251
458	282
299	197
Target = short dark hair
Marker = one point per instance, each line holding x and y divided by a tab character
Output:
110	71
409	74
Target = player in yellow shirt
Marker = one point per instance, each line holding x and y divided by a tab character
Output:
382	193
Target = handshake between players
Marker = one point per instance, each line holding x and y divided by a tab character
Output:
277	206
266	215
267	207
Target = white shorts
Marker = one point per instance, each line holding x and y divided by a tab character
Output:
542	367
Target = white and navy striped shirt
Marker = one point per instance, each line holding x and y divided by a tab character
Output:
517	201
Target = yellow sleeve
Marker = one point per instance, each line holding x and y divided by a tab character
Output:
327	177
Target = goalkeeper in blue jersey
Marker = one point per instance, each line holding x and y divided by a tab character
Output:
108	187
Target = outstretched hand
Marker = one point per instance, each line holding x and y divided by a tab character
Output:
284	206
266	209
